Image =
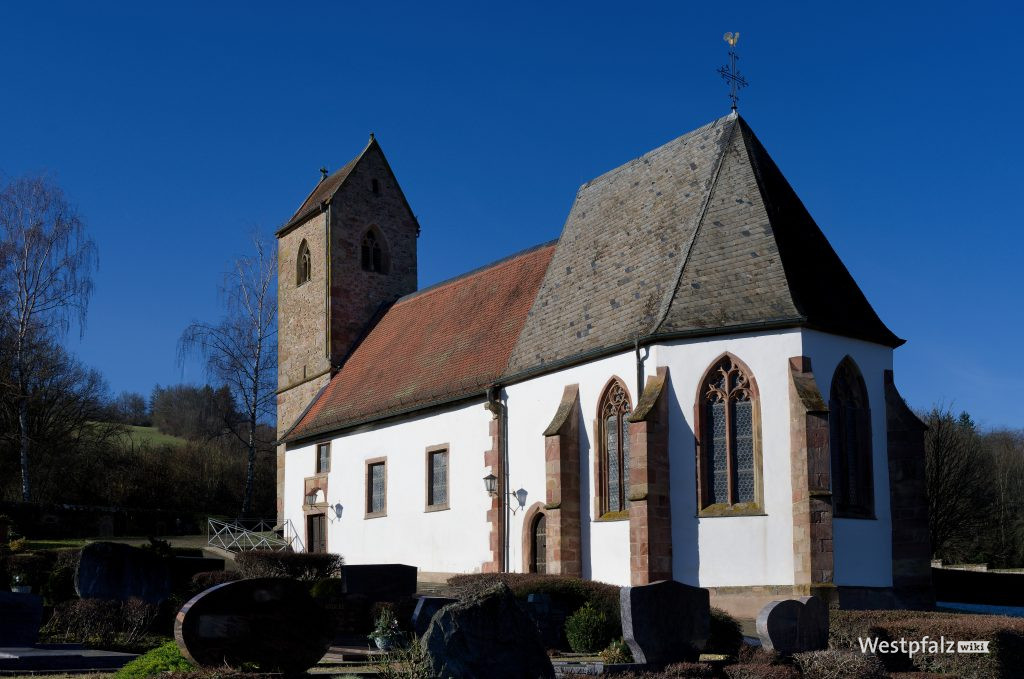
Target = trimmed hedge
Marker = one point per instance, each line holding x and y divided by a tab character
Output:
835	664
300	566
1004	634
567	591
103	623
204	580
589	630
682	670
726	634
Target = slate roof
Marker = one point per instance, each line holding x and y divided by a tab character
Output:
435	345
701	236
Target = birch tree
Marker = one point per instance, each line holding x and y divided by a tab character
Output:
46	266
240	350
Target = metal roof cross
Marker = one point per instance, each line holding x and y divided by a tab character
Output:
731	73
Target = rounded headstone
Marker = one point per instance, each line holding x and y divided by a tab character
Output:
793	626
272	622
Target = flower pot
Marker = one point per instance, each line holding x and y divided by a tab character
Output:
384	642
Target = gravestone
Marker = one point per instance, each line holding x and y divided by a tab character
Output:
486	635
272	622
794	625
381	581
426	606
549	616
665	621
21	615
109	570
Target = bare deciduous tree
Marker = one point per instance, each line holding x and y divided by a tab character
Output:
46	267
241	350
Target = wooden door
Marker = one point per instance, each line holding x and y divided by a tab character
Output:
539	540
316	533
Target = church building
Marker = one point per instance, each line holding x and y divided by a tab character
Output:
687	384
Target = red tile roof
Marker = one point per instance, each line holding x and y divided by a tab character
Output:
451	340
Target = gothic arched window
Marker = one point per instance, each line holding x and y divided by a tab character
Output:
728	438
613	440
303	264
372	254
849	420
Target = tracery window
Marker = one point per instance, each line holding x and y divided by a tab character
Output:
850	427
303	265
729	465
372	253
613	413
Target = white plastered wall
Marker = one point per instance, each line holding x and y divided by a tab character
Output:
862	548
452	541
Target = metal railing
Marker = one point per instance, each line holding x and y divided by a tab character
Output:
243	535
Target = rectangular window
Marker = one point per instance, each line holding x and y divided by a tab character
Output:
376	488
437	478
323	458
316	533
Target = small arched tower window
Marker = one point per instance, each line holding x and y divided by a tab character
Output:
303	265
853	493
613	444
372	253
728	440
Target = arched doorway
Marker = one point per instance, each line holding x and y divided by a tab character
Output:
538	545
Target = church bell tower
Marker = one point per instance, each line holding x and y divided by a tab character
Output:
347	253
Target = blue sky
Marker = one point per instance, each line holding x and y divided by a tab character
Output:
179	129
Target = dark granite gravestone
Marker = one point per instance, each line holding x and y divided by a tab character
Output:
486	635
665	621
108	570
426	606
549	616
381	581
21	615
272	622
794	625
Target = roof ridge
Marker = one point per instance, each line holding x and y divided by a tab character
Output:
299	215
719	163
475	272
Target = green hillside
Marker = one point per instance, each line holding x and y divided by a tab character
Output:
153	436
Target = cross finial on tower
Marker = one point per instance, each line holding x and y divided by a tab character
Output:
731	73
323	173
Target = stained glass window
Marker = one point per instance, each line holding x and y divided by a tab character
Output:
850	425
614	412
377	498
728	464
438	478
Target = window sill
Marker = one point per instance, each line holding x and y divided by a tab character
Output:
375	515
722	510
437	508
613	516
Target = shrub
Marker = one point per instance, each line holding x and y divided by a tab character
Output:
328	589
761	672
757	655
833	664
726	634
682	670
165	658
1005	636
18	545
406	661
402	611
617	653
301	566
100	622
59	586
588	629
204	580
30	568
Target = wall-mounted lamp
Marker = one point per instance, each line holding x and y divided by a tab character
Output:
520	496
491	485
337	509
